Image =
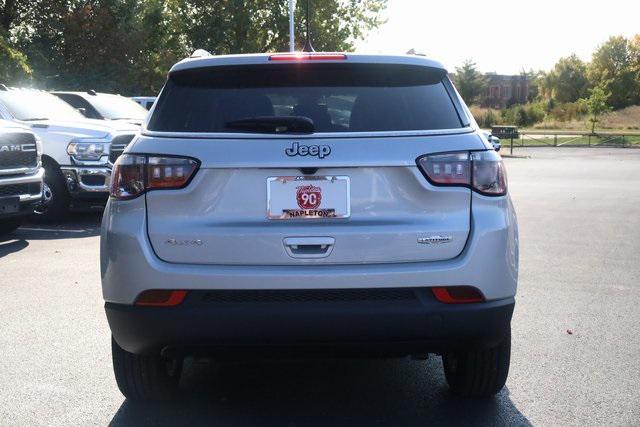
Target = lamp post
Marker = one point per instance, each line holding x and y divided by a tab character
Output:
292	39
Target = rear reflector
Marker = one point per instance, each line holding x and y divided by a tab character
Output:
302	56
458	294
161	298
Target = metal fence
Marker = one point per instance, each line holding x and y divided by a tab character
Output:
545	138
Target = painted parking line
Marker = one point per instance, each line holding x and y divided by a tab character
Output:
55	230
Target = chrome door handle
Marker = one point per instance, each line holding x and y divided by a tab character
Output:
309	247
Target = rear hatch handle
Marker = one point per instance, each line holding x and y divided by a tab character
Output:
309	247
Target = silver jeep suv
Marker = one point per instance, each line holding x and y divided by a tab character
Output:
298	204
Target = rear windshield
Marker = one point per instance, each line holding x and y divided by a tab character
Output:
336	97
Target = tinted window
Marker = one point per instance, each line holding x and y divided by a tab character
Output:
77	102
116	107
337	97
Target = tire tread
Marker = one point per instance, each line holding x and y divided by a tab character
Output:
478	373
142	377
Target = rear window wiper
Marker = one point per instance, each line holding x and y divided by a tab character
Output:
273	124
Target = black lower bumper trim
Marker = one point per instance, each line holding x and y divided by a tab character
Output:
389	322
25	209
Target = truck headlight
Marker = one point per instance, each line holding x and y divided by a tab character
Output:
88	150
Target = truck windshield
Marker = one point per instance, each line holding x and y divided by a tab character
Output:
116	107
335	97
36	105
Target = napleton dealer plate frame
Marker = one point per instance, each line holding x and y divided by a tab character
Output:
308	197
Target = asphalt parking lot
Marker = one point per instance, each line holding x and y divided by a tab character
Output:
576	329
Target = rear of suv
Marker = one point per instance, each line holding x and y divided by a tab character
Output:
309	204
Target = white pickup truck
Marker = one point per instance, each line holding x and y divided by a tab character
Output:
20	174
78	153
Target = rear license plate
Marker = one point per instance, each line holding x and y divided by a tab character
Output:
9	205
308	197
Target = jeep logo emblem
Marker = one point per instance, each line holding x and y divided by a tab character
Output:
321	151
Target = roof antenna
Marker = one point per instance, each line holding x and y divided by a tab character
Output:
307	44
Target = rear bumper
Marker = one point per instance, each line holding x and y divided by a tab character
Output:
129	265
399	321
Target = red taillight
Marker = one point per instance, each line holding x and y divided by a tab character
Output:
134	174
457	294
483	171
489	175
304	56
447	169
161	298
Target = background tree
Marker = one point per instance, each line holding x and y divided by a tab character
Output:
241	26
469	81
597	105
128	46
567	81
612	68
634	60
13	64
101	46
162	44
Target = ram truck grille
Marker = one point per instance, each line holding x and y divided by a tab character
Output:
118	145
18	150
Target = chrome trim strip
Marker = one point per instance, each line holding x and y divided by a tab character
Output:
31	197
24	179
79	172
21	171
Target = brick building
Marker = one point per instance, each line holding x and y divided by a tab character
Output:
503	90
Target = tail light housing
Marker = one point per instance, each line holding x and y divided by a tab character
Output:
482	171
135	174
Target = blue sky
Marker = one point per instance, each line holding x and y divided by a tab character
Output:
535	33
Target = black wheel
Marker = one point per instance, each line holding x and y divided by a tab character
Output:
9	225
145	377
55	203
478	373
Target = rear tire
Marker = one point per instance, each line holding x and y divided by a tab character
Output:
478	373
10	225
145	377
58	199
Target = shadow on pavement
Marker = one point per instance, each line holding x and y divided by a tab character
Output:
319	392
9	244
76	226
